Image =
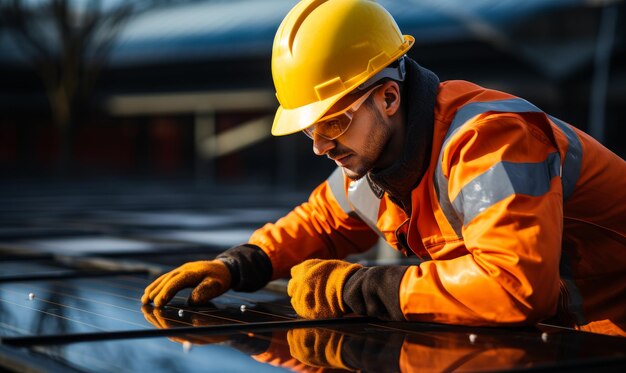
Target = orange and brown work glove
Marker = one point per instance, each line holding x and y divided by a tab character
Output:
316	287
332	288
210	279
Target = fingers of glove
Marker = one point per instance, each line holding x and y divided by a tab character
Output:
163	282
302	268
173	285
299	273
208	289
303	296
316	287
146	298
311	304
196	270
157	285
307	299
216	281
187	275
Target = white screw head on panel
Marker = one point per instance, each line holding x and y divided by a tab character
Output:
181	313
472	338
31	296
544	337
243	308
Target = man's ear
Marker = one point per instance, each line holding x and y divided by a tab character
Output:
391	95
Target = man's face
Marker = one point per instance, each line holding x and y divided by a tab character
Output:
360	148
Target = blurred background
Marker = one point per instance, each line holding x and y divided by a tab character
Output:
135	134
181	90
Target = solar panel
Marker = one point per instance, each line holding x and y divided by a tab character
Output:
71	302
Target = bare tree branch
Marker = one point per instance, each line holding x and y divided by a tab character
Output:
67	47
23	23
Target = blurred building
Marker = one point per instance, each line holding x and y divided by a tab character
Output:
188	91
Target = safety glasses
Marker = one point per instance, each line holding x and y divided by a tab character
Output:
336	124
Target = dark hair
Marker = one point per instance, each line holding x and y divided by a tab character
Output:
369	103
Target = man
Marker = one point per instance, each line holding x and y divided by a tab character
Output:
517	216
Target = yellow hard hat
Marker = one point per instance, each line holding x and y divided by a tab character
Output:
323	50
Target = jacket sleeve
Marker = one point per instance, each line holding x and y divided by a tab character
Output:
504	184
319	228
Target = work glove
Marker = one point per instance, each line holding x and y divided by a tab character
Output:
209	278
316	288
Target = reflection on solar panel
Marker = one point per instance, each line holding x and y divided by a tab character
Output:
71	279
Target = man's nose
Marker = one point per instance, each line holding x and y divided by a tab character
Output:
321	145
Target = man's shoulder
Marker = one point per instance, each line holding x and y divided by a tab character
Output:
454	94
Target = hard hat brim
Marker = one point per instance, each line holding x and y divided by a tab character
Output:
289	121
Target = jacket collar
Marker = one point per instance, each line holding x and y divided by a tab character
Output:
399	179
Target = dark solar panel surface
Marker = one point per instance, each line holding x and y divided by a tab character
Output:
73	267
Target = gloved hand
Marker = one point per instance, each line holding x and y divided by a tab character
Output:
210	279
316	287
317	347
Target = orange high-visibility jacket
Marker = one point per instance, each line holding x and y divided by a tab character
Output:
518	218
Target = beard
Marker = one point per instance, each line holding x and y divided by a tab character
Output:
367	159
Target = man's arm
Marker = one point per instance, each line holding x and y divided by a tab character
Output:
503	182
318	228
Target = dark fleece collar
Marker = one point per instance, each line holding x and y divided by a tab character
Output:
399	179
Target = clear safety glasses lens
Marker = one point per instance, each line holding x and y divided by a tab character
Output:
339	123
332	128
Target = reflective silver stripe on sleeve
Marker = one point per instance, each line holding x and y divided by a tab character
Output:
335	181
569	173
441	188
463	115
573	158
503	180
462	211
